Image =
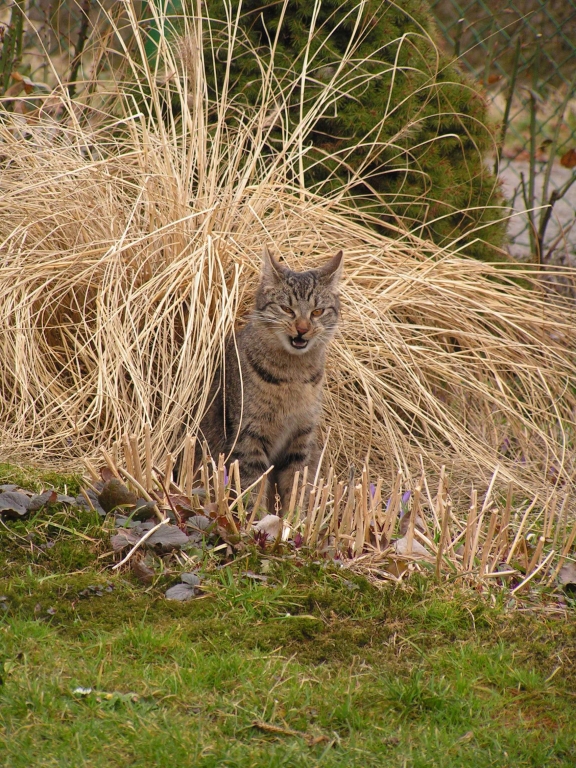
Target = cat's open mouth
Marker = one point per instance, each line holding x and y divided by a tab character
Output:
298	342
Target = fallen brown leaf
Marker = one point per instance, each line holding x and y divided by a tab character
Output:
568	159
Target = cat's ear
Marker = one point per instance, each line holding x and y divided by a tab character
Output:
271	269
332	271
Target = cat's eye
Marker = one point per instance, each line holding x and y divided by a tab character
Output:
317	312
287	310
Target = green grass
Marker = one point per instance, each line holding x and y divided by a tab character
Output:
349	674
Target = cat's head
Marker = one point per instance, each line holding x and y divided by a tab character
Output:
300	309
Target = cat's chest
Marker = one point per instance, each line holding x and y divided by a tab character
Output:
286	402
280	400
283	410
289	418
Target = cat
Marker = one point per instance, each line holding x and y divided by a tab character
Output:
266	411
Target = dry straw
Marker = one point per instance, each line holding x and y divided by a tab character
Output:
130	236
363	533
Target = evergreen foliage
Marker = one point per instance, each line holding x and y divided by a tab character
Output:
408	121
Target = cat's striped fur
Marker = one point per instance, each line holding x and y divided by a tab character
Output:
265	411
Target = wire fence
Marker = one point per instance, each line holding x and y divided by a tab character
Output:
523	55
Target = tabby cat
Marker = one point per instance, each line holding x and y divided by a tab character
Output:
266	411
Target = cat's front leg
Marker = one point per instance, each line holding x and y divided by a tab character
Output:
302	451
251	451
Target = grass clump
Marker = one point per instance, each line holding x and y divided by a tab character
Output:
132	237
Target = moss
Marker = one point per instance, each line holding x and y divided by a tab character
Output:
40	479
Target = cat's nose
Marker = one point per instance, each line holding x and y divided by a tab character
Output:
302	326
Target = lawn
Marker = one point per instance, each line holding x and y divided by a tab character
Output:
279	661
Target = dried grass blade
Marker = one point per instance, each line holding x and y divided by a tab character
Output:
320	516
520	530
487	546
444	514
111	465
128	460
529	578
302	497
168	471
235	469
564	554
136	459
293	496
471	523
149	461
310	515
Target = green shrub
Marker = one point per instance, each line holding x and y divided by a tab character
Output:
406	121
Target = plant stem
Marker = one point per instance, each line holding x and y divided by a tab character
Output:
506	118
531	197
557	194
458	37
79	49
549	202
12	45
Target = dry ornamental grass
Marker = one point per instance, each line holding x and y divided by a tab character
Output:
131	236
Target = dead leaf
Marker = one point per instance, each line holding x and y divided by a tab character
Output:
14	90
37	502
567	576
28	84
311	739
96	590
14	504
187	506
405	522
255	576
81	502
568	159
192	579
106	474
63	499
200	523
397	567
115	494
271	525
401	548
127	537
144	510
143	572
181	592
211	510
167	538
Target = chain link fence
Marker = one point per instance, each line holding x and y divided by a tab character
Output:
523	54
